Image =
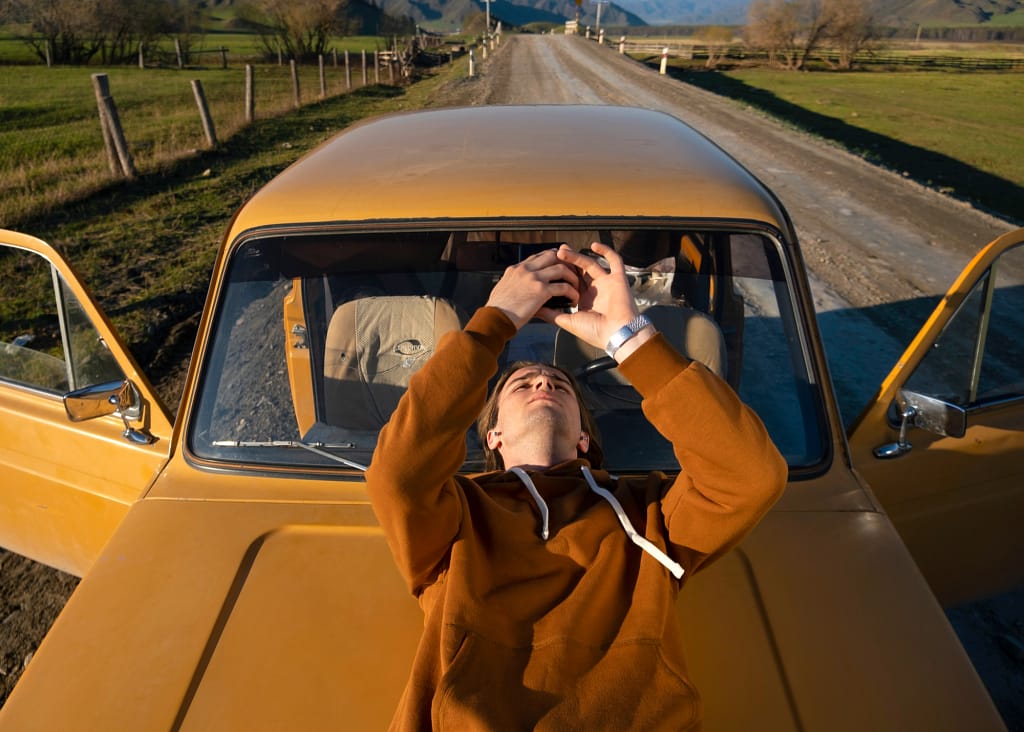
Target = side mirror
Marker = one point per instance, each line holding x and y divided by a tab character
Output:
935	415
100	400
927	413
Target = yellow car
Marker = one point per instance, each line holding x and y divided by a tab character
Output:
234	576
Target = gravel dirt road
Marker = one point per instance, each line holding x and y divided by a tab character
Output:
878	246
880	250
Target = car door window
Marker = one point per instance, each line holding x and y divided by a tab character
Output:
47	341
979	357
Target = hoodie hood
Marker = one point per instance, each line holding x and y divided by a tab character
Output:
566	477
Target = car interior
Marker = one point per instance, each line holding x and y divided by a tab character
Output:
318	336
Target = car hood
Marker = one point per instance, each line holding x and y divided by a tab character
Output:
269	614
221	615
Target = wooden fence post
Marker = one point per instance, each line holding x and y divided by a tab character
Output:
49	53
323	78
472	63
142	63
364	67
376	67
223	57
295	84
204	113
177	52
121	162
348	73
108	139
250	96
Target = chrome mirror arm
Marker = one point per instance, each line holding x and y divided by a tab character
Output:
901	446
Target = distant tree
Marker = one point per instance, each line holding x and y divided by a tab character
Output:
303	29
774	27
76	31
185	21
66	31
815	20
299	29
852	29
790	31
717	39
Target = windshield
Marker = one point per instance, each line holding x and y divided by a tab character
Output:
316	337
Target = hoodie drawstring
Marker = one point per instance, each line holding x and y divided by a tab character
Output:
521	474
672	566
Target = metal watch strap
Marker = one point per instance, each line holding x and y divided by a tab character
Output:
626	332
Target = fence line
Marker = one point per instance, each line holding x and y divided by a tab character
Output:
114	138
118	152
696	51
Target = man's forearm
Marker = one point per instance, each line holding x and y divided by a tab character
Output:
731	471
423	445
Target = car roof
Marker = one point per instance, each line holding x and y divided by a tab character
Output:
513	161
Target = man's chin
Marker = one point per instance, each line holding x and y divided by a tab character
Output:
548	417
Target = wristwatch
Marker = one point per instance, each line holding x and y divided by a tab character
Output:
626	332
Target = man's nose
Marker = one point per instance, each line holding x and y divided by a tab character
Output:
544	381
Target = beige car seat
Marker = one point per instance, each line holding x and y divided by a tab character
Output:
374	345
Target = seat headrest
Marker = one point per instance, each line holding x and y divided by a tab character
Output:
374	345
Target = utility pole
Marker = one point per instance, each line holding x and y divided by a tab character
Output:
599	3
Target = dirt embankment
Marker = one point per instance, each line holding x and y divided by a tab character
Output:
878	248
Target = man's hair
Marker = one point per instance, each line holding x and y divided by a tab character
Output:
489	417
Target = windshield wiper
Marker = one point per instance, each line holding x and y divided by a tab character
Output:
318	448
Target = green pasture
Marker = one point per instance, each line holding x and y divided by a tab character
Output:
147	247
1014	19
1008	20
959	132
242	47
13	50
51	146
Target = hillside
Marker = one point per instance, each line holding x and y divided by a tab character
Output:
890	12
450	15
689	12
948	12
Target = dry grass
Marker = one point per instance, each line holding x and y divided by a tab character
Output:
51	146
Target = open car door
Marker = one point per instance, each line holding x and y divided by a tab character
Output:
81	431
942	445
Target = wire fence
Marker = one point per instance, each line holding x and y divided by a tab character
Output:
866	59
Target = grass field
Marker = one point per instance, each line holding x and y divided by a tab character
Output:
960	133
51	147
147	247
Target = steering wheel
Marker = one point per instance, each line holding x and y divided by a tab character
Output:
595	366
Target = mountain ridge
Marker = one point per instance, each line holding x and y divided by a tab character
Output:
450	15
890	12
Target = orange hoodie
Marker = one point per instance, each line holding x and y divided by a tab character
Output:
579	630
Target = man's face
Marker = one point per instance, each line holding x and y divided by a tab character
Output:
536	402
